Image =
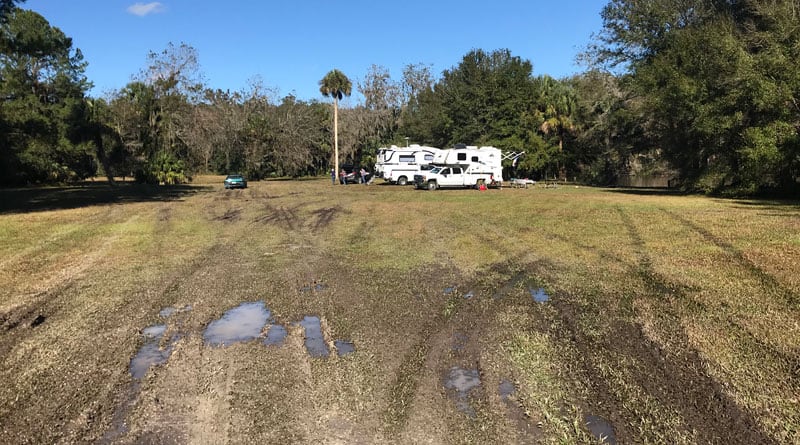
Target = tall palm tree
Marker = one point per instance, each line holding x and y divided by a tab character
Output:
557	105
336	85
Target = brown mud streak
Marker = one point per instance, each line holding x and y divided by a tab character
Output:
789	361
406	382
284	217
229	216
674	379
323	217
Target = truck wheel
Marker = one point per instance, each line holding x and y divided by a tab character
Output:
432	185
402	180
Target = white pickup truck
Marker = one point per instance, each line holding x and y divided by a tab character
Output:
452	177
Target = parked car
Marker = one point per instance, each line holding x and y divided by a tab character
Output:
353	175
235	181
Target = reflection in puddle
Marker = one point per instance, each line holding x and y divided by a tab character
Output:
315	342
154	331
246	322
506	389
239	324
449	290
150	353
463	381
469	295
276	335
344	347
539	295
601	429
169	311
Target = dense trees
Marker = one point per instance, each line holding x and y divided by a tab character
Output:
717	86
42	111
705	91
492	98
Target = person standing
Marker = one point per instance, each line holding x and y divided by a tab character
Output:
363	176
333	177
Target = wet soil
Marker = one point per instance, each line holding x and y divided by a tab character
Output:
304	345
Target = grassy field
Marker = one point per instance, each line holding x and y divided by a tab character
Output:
668	318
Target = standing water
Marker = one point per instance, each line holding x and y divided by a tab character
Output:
315	342
539	295
151	353
239	324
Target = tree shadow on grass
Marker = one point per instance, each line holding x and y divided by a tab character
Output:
86	194
651	191
765	202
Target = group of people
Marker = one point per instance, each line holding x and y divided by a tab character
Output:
343	176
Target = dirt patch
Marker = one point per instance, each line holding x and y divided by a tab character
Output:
231	215
322	218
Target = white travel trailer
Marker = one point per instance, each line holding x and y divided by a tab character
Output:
463	166
398	165
469	166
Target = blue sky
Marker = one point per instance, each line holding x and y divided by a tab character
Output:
291	44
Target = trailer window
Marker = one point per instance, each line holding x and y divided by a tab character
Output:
407	159
462	156
429	157
474	159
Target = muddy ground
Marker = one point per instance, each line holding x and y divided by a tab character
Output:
442	351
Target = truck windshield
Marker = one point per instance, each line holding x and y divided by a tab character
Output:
436	170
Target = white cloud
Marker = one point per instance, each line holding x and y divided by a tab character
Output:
142	9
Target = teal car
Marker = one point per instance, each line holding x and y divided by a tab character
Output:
235	182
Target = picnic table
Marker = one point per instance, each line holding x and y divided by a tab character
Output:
551	183
521	183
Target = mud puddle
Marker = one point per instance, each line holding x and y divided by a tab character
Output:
315	342
344	347
539	295
601	429
240	324
169	311
276	335
150	354
247	321
506	389
462	382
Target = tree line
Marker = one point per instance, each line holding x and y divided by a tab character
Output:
704	92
